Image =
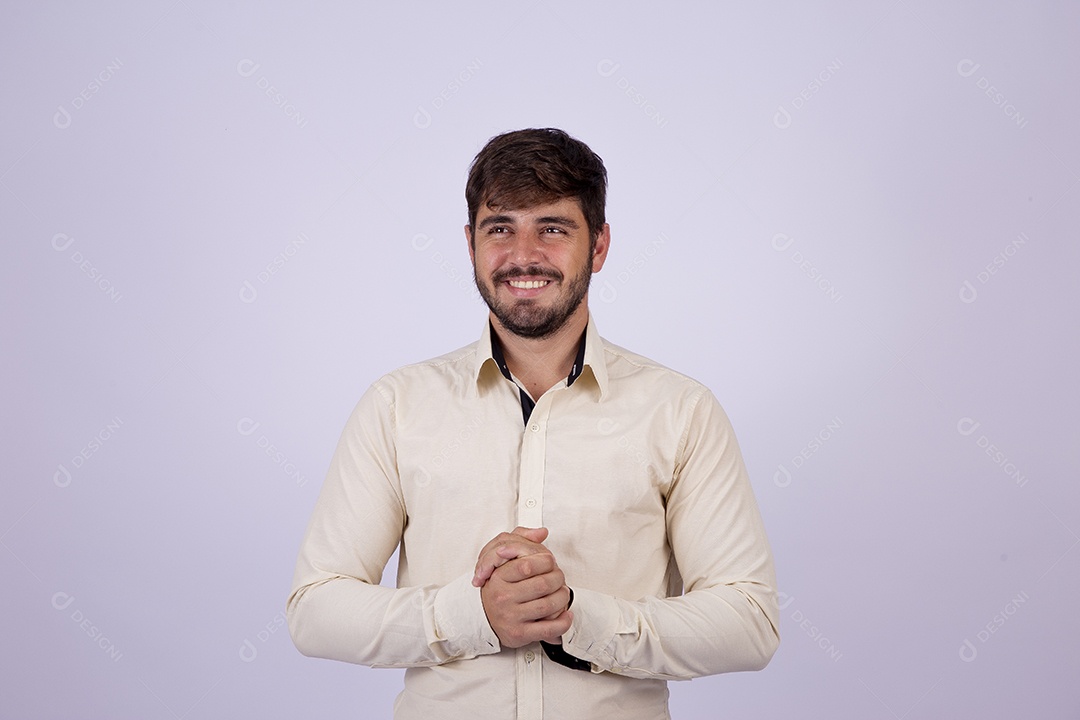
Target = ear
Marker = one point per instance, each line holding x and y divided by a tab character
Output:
603	241
469	242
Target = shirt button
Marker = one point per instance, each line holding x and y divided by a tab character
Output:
530	503
530	656
534	427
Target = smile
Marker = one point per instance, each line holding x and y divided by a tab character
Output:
528	284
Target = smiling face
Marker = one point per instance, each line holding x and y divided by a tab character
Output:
533	265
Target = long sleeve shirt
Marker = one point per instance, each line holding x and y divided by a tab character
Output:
635	471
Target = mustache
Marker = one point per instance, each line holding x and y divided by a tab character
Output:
530	271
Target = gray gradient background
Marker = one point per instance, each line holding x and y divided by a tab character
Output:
856	222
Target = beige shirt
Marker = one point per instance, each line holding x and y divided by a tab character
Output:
635	471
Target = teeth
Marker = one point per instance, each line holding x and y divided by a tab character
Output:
528	284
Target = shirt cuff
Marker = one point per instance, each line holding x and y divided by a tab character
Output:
591	634
460	621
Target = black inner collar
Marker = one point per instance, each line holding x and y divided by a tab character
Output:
527	403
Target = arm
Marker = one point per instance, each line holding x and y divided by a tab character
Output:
337	609
727	620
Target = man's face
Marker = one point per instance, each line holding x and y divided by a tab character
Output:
532	266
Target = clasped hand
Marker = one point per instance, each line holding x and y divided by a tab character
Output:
522	588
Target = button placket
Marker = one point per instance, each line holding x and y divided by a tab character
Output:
533	451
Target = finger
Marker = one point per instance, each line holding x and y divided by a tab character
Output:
485	557
537	535
563	603
499	554
502	539
549	630
566	617
531	577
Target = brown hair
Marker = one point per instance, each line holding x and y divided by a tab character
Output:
523	168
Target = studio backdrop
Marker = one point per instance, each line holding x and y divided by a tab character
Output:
854	222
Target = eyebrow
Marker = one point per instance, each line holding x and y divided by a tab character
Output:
557	220
495	220
545	220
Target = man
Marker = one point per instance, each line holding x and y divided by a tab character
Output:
542	563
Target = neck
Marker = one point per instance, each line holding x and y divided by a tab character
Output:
540	363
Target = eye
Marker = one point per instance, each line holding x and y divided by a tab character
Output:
554	229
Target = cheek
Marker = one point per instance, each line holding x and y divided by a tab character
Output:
492	259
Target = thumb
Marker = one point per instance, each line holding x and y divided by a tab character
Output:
536	535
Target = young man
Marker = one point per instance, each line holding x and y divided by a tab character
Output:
551	493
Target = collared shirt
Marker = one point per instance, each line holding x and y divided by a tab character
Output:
635	471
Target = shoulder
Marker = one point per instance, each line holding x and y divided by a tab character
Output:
442	372
626	365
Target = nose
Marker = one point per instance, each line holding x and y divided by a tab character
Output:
527	248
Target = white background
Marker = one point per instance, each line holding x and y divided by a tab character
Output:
856	222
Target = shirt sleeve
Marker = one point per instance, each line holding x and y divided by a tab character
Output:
727	619
337	609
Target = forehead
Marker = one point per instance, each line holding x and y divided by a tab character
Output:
565	207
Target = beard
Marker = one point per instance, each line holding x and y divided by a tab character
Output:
526	317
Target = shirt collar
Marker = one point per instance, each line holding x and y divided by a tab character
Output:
486	369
